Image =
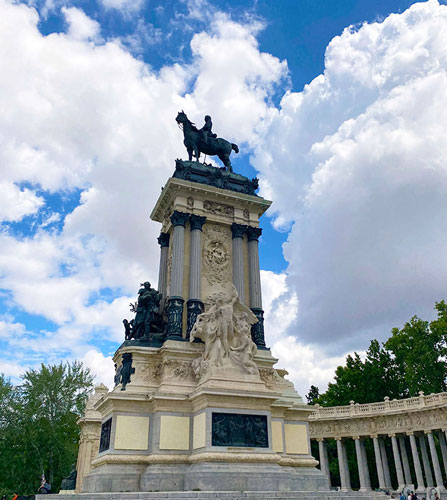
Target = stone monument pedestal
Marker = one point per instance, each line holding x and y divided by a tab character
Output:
198	404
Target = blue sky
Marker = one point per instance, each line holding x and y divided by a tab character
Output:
336	107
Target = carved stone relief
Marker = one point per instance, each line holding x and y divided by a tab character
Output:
218	208
150	373
177	370
216	254
226	331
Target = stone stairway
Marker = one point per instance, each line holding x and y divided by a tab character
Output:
223	495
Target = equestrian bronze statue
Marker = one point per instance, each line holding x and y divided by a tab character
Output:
204	141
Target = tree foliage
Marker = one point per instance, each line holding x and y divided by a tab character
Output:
411	360
38	430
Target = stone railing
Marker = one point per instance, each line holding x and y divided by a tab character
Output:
376	409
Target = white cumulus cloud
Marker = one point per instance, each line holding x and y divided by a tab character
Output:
357	161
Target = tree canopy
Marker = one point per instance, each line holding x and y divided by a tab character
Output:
38	430
411	360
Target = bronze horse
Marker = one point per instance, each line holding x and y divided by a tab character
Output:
194	143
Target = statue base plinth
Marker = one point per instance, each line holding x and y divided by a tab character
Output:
162	434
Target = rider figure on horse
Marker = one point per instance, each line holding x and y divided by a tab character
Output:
206	131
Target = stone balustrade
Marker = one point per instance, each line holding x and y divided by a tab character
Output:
407	443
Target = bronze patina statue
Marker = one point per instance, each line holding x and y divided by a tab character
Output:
147	305
204	141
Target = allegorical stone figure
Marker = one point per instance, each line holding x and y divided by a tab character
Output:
225	330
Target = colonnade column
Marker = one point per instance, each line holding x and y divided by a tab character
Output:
194	305
163	241
435	460
386	469
365	462
360	463
345	456
405	461
175	301
417	464
238	231
345	479
426	461
397	463
379	466
324	461
257	330
441	437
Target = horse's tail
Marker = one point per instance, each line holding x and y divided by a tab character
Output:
235	148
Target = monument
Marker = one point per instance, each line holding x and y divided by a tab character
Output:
197	402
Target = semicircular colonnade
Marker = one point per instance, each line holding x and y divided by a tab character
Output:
392	445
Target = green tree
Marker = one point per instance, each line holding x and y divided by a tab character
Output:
363	381
419	349
411	360
8	413
43	434
313	395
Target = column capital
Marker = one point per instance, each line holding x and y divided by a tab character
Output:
163	240
374	436
355	438
409	433
196	221
179	218
337	438
320	440
392	435
238	230
253	233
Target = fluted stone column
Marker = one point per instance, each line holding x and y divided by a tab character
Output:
426	461
257	330
324	461
379	465
175	301
435	461
417	464
397	463
405	461
163	241
442	443
238	231
360	463
194	306
345	479
386	469
365	463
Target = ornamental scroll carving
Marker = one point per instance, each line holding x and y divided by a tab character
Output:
216	254
218	208
150	373
274	380
169	369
